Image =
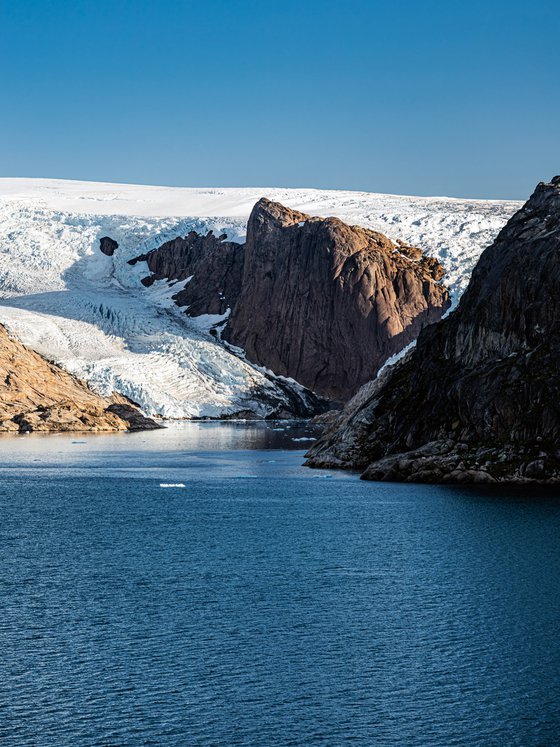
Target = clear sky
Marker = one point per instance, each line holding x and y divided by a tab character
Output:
455	97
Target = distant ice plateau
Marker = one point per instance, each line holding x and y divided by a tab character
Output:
89	312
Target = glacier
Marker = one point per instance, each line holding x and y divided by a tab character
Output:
90	313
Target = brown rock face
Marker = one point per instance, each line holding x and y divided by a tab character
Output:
479	398
327	303
108	245
313	299
36	395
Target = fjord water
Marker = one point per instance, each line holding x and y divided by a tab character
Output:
265	603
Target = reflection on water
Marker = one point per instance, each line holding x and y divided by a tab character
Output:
187	435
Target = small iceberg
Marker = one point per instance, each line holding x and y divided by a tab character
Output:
172	485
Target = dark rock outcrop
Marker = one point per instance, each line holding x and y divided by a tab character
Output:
312	299
215	265
108	245
478	400
37	395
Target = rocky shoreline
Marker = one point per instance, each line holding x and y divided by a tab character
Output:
478	399
310	299
37	395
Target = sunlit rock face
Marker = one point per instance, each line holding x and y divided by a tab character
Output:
37	395
312	299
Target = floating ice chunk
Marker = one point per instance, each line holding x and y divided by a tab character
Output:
304	438
172	485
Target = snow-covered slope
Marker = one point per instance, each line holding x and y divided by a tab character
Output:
90	313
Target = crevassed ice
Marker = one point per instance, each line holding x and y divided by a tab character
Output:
90	313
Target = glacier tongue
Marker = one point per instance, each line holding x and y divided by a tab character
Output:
89	312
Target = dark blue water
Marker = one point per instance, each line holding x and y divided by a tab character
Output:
266	604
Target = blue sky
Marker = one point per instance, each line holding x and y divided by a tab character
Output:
425	97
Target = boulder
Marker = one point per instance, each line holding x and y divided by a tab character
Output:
108	245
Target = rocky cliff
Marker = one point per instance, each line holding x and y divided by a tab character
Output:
478	400
214	264
36	395
313	299
327	303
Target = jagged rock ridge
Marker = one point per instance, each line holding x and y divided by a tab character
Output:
36	395
313	299
479	398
